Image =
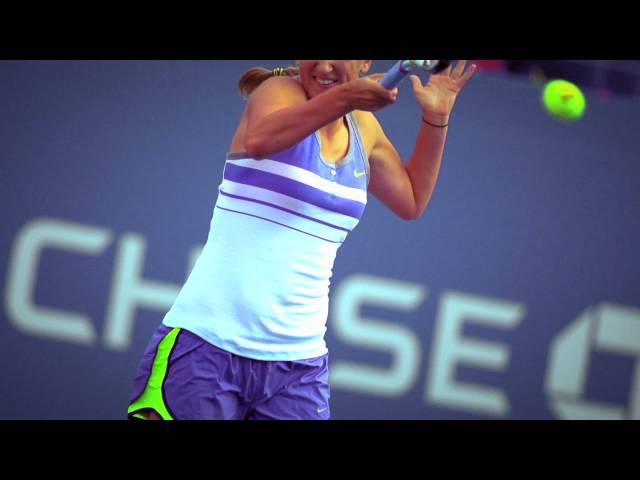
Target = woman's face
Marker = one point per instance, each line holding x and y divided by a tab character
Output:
318	76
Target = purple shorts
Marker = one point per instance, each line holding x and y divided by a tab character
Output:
182	376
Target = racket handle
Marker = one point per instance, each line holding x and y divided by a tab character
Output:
400	70
396	74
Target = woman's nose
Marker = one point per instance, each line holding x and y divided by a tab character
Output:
325	66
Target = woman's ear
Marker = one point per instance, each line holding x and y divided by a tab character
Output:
366	66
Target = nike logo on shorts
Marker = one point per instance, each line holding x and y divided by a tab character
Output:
359	174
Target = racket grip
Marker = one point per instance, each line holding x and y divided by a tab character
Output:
395	74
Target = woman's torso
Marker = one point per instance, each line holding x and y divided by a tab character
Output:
260	287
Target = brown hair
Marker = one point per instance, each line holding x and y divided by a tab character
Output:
253	77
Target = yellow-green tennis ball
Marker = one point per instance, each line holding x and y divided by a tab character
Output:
564	100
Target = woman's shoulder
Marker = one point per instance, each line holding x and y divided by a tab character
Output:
370	129
367	120
281	85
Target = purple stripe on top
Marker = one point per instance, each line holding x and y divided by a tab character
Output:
292	188
248	199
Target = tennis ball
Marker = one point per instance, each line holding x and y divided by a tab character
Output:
564	100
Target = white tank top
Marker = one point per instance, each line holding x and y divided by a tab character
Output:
260	288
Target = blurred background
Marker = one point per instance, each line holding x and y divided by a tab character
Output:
619	77
516	295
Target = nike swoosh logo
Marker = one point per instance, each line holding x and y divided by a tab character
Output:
320	410
359	174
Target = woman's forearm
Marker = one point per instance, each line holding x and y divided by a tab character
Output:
286	127
424	166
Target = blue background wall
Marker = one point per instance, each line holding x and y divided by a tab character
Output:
515	296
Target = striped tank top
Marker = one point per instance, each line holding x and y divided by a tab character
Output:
260	288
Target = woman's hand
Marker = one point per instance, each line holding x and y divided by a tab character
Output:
368	95
438	96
